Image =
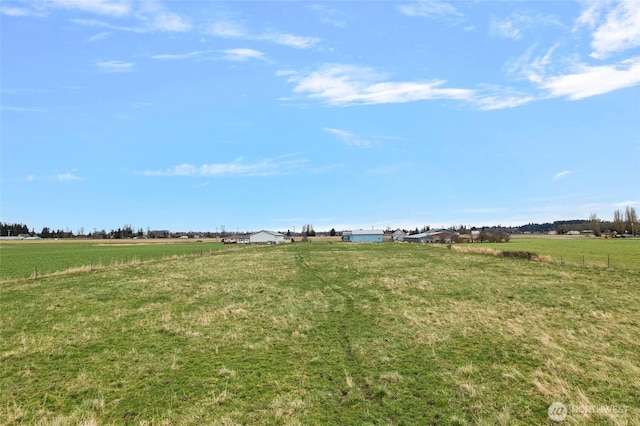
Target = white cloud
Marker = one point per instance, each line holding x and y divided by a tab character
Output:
513	25
101	24
115	66
19	11
586	81
227	29
348	138
148	16
506	28
238	55
330	16
156	18
66	177
430	9
289	40
338	84
235	30
100	36
502	100
268	167
534	69
101	7
616	26
573	79
562	175
180	56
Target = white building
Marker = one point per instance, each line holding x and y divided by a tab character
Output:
437	236
266	237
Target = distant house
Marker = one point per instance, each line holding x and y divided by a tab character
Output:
346	235
162	233
266	237
364	236
398	235
435	236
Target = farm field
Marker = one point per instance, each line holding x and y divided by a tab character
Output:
622	253
25	258
322	334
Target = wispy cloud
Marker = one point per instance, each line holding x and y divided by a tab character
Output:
267	167
100	36
562	175
67	177
239	55
101	7
156	18
228	29
615	25
18	109
235	30
115	66
574	79
330	16
586	81
141	16
431	9
504	28
234	55
19	11
348	138
488	103
516	23
338	84
181	56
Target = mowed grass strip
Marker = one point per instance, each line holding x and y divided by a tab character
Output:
322	334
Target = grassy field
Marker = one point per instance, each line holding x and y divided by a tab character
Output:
622	253
322	334
25	258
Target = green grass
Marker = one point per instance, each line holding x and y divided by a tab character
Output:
25	258
321	334
622	253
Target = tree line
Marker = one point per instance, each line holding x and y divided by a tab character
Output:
623	223
20	229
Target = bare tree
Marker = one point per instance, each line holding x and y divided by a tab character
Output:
594	224
631	220
618	222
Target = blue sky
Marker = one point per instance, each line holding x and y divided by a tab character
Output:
193	115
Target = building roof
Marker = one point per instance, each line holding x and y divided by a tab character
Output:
275	234
367	232
431	233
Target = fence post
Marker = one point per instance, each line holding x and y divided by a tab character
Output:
583	260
